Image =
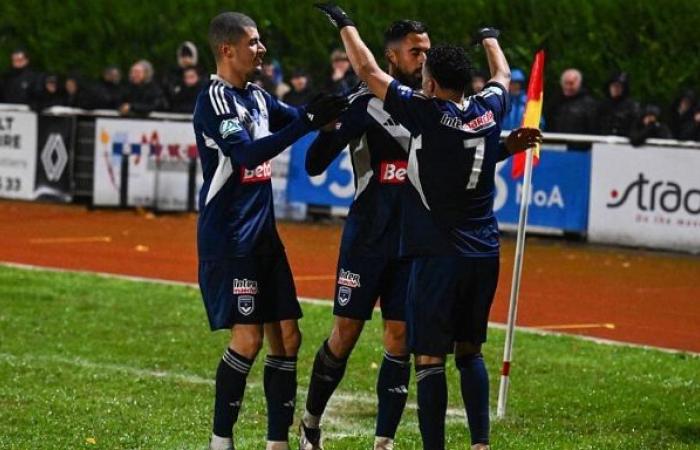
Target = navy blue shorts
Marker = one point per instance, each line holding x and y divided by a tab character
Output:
248	290
361	280
448	301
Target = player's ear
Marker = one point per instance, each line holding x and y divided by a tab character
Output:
227	50
390	55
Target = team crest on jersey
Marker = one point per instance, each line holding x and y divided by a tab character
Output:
246	304
344	294
229	127
405	91
349	279
245	286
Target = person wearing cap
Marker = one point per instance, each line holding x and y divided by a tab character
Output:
518	100
301	92
51	93
342	78
649	127
617	111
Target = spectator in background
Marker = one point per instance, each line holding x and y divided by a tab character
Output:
342	79
518	99
690	131
682	111
185	92
478	82
301	91
617	112
187	57
271	79
143	96
573	111
78	92
21	84
649	127
109	92
51	93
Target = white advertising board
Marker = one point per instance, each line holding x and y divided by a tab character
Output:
18	154
648	197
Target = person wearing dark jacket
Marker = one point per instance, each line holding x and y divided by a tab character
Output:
617	112
649	127
342	78
185	92
682	111
691	128
21	84
78	93
187	56
574	111
301	92
109	91
143	96
51	94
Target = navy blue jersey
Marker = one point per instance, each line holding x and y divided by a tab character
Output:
236	216
453	154
379	153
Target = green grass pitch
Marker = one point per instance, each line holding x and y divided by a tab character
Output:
94	363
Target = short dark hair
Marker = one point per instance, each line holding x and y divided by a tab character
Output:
227	28
450	66
402	28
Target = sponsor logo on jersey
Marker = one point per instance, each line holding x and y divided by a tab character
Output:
261	173
393	172
246	304
349	279
482	122
245	286
344	294
229	127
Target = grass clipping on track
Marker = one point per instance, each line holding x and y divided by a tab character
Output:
88	362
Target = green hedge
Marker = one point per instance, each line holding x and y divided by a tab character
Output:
655	42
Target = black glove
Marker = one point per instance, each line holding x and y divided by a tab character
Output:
485	33
325	108
335	14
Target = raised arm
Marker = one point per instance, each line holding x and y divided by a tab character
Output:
361	58
498	65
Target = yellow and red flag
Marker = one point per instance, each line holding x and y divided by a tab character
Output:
533	111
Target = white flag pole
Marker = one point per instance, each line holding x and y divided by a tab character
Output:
515	286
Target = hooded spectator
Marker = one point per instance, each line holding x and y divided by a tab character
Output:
143	96
51	93
342	79
185	95
682	111
478	82
110	91
691	128
518	99
649	127
573	111
21	84
617	112
301	92
187	56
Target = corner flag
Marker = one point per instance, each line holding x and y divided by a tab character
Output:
533	111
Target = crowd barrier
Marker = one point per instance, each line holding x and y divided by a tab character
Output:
598	187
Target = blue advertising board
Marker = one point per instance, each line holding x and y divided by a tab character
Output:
559	196
334	187
559	200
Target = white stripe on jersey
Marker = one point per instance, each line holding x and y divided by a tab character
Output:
412	170
375	108
222	97
211	99
223	169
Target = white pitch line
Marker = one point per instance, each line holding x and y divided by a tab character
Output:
338	397
327	303
70	240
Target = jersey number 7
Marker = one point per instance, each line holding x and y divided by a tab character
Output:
478	147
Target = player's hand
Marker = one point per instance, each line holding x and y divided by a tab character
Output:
485	33
324	109
335	14
523	138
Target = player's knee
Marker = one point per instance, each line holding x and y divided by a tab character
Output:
395	339
344	336
466	349
292	342
247	343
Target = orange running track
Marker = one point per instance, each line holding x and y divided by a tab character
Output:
634	296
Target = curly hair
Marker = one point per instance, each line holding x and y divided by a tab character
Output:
450	66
